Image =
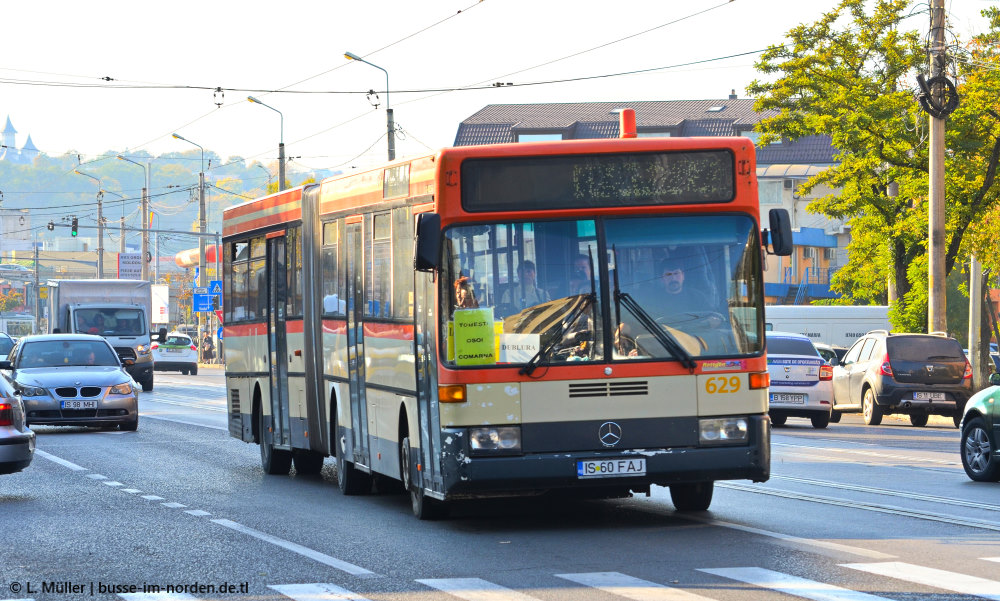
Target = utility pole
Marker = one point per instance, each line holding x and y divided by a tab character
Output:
100	234
202	227
38	294
975	321
145	226
937	319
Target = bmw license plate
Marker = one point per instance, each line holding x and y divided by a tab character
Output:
784	397
611	468
928	396
79	404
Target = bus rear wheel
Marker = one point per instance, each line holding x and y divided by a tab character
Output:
692	496
275	462
350	481
423	507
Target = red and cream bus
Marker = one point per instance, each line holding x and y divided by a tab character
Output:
507	320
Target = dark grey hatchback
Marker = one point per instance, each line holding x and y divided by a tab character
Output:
912	374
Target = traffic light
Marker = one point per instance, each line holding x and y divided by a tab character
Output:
73	229
51	226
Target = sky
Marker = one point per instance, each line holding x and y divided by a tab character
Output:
290	56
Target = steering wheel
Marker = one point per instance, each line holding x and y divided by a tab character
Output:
706	320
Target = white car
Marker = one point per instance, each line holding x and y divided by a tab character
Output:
801	381
177	353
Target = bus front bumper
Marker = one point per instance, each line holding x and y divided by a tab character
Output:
466	476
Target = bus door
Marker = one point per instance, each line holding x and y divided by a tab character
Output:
277	345
356	345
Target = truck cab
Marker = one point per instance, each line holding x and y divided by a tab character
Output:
118	310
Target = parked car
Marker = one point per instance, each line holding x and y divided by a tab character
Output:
911	374
830	353
17	442
72	379
6	343
800	380
980	426
176	353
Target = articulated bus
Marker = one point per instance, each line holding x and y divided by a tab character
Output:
507	320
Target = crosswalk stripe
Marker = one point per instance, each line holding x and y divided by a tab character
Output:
949	581
317	592
630	587
157	597
475	589
996	559
792	585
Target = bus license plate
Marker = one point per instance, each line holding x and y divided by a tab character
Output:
79	404
794	399
928	396
611	468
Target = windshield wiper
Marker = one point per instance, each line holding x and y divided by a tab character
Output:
536	360
665	339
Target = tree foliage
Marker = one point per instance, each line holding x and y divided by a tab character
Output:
850	76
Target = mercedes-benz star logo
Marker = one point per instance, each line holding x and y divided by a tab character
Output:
610	434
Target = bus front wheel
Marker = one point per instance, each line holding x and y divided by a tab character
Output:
423	507
692	496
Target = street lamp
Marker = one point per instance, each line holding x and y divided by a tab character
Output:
388	111
100	222
145	217
121	231
269	176
202	223
281	143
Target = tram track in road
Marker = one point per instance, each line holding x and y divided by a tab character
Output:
870	506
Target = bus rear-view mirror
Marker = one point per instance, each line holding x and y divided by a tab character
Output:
427	245
779	236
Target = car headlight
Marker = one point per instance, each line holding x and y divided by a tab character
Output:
142	349
32	391
724	430
495	440
125	388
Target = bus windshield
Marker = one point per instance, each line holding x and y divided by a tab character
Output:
616	289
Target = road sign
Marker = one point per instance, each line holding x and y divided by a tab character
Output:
218	334
215	287
201	303
218	313
129	266
200	290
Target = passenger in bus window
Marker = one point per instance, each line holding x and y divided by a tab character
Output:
582	280
465	297
525	293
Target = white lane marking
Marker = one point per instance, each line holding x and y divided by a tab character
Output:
112	483
317	592
996	559
792	585
173	505
62	462
475	589
153	498
157	597
130	491
809	542
322	558
630	587
182	421
97	477
941	579
197	512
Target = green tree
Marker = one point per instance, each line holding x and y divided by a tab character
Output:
849	75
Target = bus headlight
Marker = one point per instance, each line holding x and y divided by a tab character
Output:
723	430
495	440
